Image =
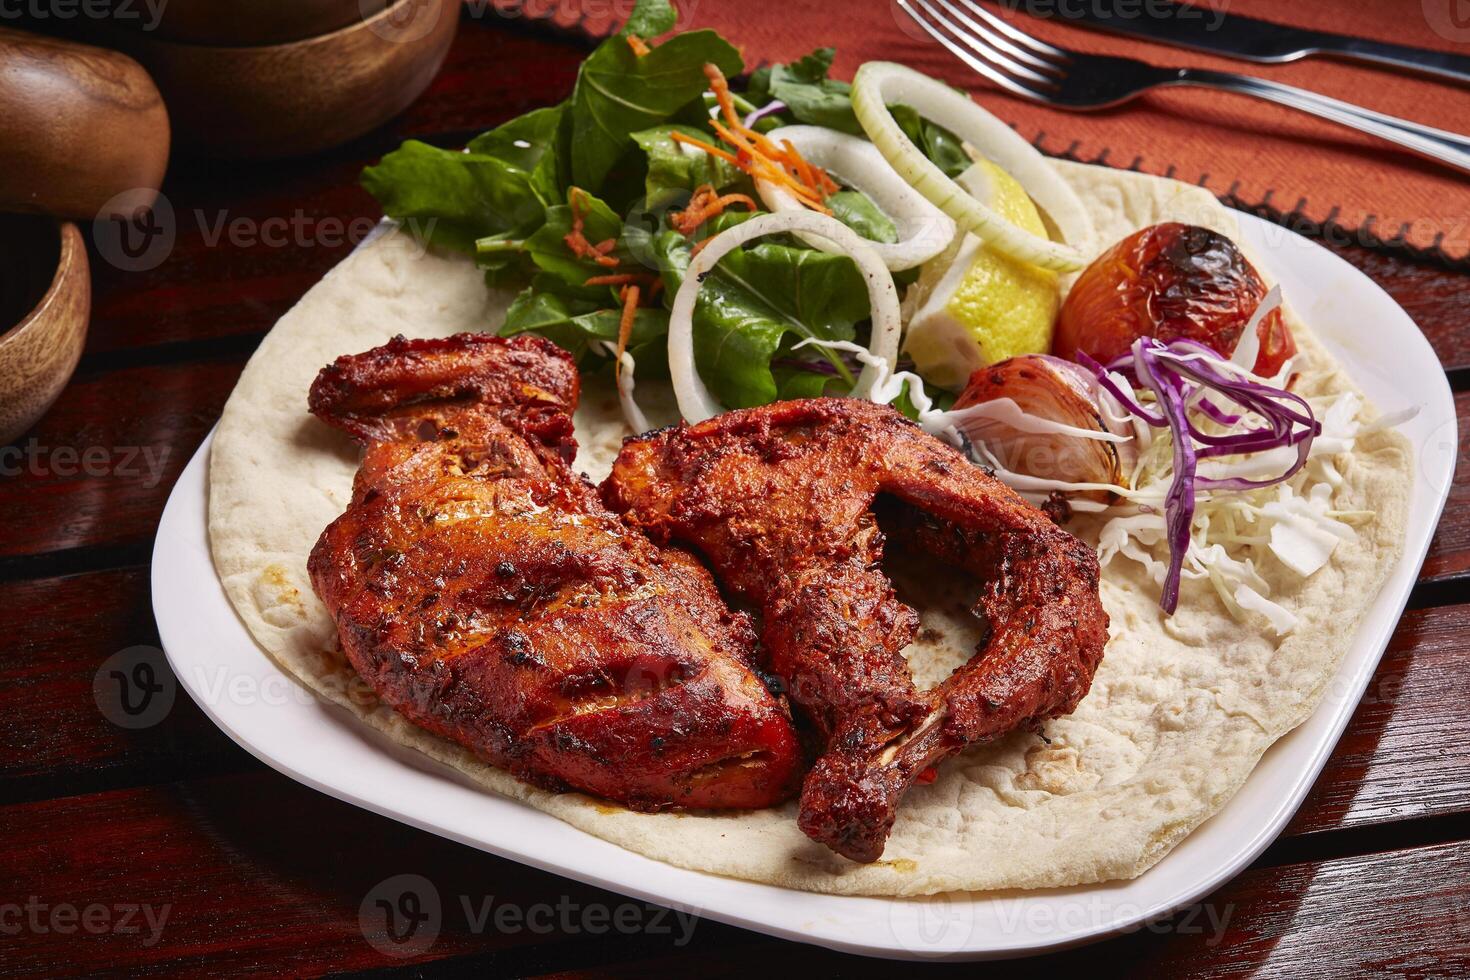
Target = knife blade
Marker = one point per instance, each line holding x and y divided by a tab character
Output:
1206	28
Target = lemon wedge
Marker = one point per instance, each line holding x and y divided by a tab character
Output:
977	306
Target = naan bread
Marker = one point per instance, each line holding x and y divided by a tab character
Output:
1177	717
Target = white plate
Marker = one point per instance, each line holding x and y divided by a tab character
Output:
260	707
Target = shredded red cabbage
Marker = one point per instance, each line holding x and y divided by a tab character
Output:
1124	398
769	109
1179	374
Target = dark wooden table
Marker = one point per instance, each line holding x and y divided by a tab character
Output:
242	869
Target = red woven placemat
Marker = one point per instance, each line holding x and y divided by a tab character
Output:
1251	153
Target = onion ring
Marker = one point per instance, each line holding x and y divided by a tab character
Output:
924	230
695	401
879	82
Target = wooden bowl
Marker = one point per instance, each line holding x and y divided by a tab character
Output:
46	292
235	23
78	126
290	99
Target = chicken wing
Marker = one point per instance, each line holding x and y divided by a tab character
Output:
483	590
780	501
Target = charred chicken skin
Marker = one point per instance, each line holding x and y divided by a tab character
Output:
780	501
482	589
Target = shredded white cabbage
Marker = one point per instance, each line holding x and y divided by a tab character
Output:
631	412
1294	522
1303	531
1282	621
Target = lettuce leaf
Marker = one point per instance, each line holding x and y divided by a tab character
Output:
649	19
753	300
531	143
452	198
618	93
674	167
943	148
856	210
811	97
809	94
548	248
573	323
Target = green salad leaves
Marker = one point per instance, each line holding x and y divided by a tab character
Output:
572	203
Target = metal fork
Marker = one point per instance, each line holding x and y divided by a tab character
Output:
1032	68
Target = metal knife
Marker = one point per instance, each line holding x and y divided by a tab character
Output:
1205	28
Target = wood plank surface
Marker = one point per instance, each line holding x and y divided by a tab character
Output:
250	873
113	809
99	467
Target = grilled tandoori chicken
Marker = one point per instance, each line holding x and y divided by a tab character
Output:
780	501
483	590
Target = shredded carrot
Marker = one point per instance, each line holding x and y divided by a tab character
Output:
761	158
803	169
699	246
637	44
620	279
576	239
811	175
709	148
721	87
629	296
706	203
779	169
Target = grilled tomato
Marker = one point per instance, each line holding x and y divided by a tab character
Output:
1171	281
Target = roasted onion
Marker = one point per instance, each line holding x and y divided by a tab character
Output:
1172	282
1037	415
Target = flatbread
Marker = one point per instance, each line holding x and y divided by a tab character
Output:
1178	715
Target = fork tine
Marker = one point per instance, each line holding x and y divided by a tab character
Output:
981	44
981	64
997	42
1016	34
